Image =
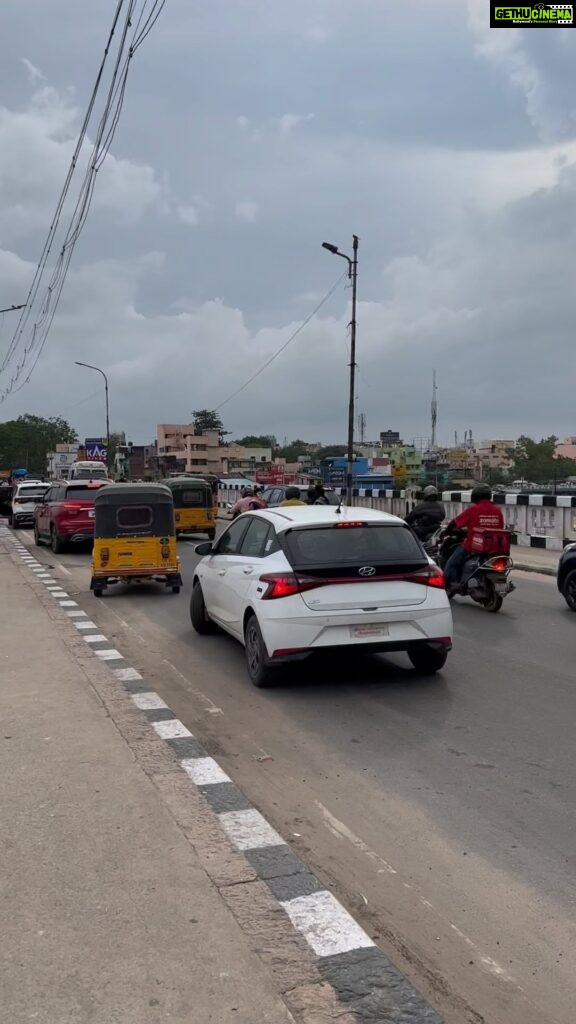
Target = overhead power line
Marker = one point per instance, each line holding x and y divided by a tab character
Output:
31	333
285	345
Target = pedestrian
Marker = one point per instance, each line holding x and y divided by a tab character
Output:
292	497
321	498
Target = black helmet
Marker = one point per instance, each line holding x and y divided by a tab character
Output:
430	493
482	492
292	493
248	492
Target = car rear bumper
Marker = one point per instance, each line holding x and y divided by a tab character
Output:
399	631
79	536
23	517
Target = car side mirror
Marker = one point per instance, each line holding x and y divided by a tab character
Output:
204	549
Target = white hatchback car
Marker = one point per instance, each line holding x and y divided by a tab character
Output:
296	579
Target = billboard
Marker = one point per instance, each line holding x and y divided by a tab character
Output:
95	449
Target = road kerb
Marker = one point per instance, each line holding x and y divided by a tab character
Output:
319	955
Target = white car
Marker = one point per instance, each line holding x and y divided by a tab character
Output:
24	500
289	581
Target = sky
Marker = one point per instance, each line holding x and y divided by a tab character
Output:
252	132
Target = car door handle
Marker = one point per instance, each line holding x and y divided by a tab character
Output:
248	569
222	572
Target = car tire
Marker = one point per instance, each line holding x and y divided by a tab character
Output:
569	590
10	520
98	592
257	661
198	614
175	590
37	539
56	542
427	661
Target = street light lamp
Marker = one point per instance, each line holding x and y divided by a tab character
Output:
353	275
88	366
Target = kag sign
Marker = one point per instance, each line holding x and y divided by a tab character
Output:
531	15
95	448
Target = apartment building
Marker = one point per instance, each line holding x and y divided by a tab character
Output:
182	450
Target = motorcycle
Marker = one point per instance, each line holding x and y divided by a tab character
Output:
485	577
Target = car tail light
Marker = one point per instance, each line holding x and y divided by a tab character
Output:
104	556
286	585
165	550
432	577
343	526
70	507
209	516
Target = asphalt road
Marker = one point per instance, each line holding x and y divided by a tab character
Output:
442	812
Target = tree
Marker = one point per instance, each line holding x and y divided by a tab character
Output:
208	419
26	441
257	441
292	451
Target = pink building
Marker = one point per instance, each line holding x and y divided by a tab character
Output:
566	450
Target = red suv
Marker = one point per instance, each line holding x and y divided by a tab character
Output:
66	514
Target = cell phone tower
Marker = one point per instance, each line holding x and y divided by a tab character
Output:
434	411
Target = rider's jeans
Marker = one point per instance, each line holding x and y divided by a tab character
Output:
454	566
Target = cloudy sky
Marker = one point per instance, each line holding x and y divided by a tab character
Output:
254	130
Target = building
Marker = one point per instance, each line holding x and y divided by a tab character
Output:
495	454
182	450
60	461
406	464
567	449
390	439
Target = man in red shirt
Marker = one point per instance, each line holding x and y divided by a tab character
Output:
481	513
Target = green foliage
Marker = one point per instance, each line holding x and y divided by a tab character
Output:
257	441
208	419
535	462
26	441
292	451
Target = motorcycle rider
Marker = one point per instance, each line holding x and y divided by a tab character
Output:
427	516
249	503
481	513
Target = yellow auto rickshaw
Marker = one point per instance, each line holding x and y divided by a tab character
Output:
134	537
193	505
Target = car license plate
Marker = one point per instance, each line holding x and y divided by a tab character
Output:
501	588
90	513
372	629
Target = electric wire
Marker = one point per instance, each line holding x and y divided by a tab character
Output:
285	345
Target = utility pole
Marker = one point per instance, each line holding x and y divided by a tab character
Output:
353	277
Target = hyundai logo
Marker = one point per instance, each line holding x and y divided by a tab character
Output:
367	570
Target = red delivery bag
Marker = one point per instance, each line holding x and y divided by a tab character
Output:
490	541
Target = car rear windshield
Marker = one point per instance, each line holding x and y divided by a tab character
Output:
352	545
28	493
81	493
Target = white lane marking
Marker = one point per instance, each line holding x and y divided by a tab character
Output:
86	625
249	830
325	924
68	604
77	614
171	730
59	593
54	586
43	575
147	701
211	708
341	831
110	654
96	638
49	581
204	771
125	675
487	962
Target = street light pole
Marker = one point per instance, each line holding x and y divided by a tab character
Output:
88	366
353	276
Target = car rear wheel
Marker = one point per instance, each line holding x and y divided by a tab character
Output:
257	661
427	661
198	614
56	542
37	540
569	590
